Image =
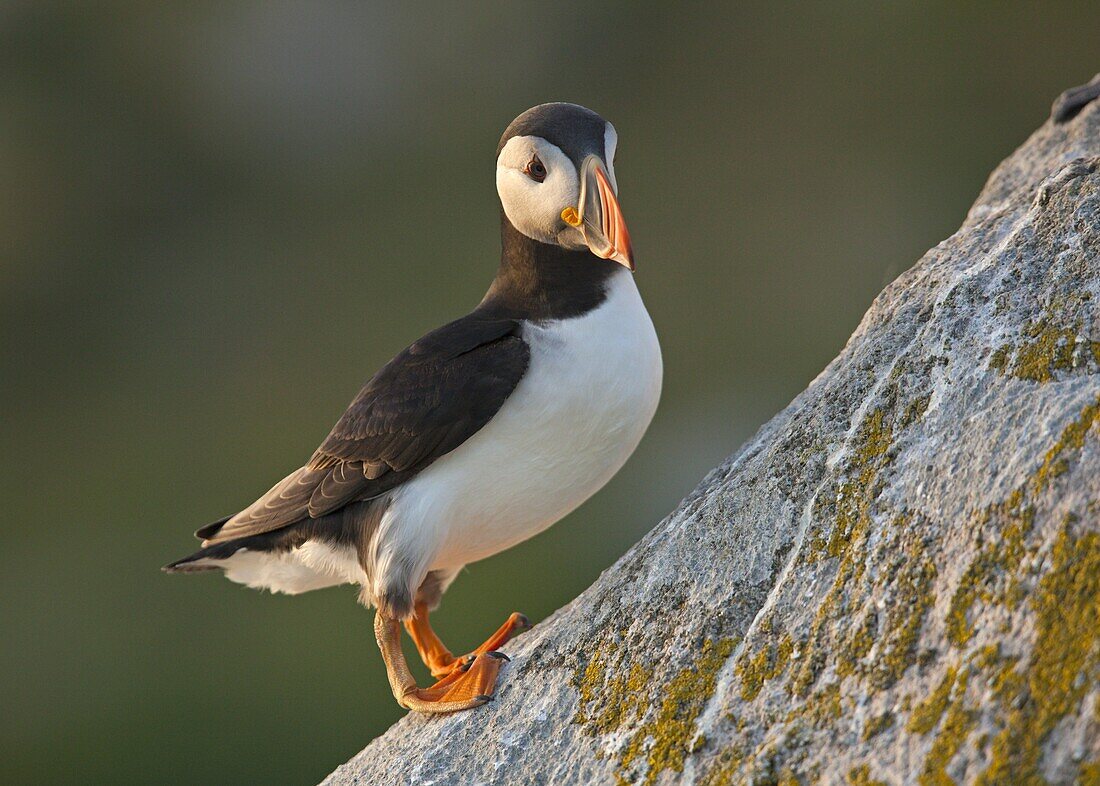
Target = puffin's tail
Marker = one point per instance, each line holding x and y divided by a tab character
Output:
207	557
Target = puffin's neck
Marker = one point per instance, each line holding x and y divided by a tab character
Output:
540	281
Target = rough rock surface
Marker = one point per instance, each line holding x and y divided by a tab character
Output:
897	580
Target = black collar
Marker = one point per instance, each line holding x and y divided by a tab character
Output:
539	281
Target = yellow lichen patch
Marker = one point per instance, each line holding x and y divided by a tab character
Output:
665	738
850	528
905	616
1000	674
856	647
735	767
915	411
987	577
861	776
788	778
1089	774
612	693
926	715
726	768
607	701
1063	656
876	725
876	438
957	724
999	359
993	564
765	766
768	663
1047	349
871	453
894	635
629	690
590	681
1072	438
819	709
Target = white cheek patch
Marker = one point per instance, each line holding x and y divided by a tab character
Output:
535	208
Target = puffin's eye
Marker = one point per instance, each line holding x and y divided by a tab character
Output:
535	170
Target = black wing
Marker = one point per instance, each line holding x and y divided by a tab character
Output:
424	403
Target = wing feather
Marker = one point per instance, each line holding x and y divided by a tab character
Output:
421	405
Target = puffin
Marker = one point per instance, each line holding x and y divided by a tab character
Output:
480	434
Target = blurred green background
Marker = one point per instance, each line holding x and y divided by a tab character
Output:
217	219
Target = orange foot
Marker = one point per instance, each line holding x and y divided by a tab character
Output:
464	688
439	659
464	683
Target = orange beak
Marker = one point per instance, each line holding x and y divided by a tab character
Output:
599	216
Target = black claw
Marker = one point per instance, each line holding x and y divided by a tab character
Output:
498	655
484	698
524	623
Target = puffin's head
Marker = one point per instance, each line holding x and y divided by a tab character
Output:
556	181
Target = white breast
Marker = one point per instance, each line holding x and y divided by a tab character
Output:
582	407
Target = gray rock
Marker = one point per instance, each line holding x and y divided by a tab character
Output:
897	580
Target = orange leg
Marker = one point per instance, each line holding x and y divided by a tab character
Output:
462	689
438	658
433	652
